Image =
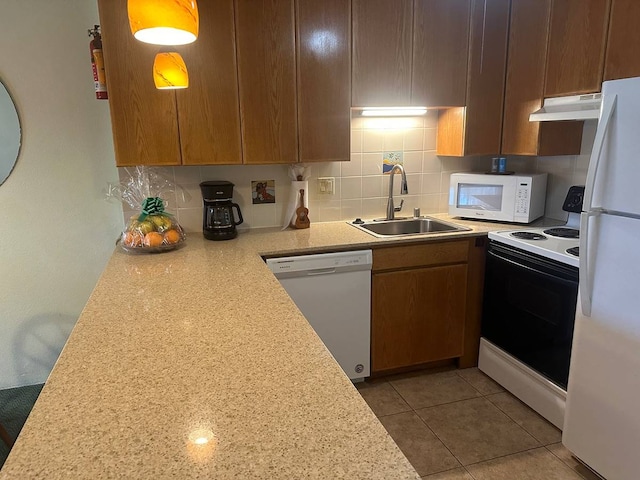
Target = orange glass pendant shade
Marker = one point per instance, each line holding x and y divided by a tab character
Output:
170	71
164	22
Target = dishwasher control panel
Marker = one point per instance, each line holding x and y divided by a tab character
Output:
356	260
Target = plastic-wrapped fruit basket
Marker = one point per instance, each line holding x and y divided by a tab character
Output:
153	234
153	230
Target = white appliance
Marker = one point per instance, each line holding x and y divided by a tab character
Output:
574	107
531	288
333	291
515	198
602	421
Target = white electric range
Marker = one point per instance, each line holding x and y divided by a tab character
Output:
531	289
555	243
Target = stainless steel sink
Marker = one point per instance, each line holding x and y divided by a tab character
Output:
410	226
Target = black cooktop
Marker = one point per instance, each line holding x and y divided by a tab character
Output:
563	232
529	235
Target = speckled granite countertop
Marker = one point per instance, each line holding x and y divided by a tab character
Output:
202	344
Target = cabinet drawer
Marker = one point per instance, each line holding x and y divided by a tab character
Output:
423	255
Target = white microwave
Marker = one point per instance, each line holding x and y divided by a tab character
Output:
515	198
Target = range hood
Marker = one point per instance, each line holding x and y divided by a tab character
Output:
577	107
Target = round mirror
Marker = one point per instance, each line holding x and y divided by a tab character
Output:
9	134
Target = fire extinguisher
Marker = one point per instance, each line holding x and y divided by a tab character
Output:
97	63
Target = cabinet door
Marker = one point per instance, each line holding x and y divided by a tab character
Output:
440	52
622	60
418	316
382	52
525	75
143	119
324	79
577	36
487	65
265	36
208	111
524	89
477	129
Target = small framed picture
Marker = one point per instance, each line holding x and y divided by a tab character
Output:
263	191
389	159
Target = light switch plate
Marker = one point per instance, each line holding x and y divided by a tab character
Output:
326	185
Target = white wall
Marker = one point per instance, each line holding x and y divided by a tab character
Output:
56	229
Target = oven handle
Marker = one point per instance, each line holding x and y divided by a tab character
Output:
531	269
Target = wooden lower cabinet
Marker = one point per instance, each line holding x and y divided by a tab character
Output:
418	316
426	305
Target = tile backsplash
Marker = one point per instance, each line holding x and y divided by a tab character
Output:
360	187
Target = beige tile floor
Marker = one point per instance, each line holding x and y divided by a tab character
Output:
461	425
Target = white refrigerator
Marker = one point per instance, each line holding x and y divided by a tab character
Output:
602	418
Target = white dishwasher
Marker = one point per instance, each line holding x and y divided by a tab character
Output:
333	291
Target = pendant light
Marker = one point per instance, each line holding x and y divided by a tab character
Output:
170	71
164	22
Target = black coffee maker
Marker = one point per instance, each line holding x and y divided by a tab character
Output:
218	222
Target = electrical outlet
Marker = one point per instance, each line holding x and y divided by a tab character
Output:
326	185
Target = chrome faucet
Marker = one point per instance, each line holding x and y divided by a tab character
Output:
403	191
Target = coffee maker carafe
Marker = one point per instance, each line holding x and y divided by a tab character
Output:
218	222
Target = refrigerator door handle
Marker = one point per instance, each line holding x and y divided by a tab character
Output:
608	106
584	272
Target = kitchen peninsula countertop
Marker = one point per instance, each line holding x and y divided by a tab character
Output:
203	343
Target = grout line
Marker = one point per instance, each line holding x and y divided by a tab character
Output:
483	396
504	456
469	383
522	426
565	463
439	439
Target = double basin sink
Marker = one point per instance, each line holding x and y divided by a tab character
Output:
402	227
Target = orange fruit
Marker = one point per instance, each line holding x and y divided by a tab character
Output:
132	239
153	239
171	236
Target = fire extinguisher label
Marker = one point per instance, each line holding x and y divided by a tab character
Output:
97	63
99	77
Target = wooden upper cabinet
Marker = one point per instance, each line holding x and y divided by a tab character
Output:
324	79
265	35
143	119
440	52
524	89
525	75
382	37
208	111
622	59
486	77
477	129
576	50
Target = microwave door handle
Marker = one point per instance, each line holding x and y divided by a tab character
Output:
608	106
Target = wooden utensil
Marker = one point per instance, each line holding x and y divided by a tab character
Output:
302	213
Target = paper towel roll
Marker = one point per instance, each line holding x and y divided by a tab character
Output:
294	202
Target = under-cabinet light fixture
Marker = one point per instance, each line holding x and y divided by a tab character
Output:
164	22
393	111
170	71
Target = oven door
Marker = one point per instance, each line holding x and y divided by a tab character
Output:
529	309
